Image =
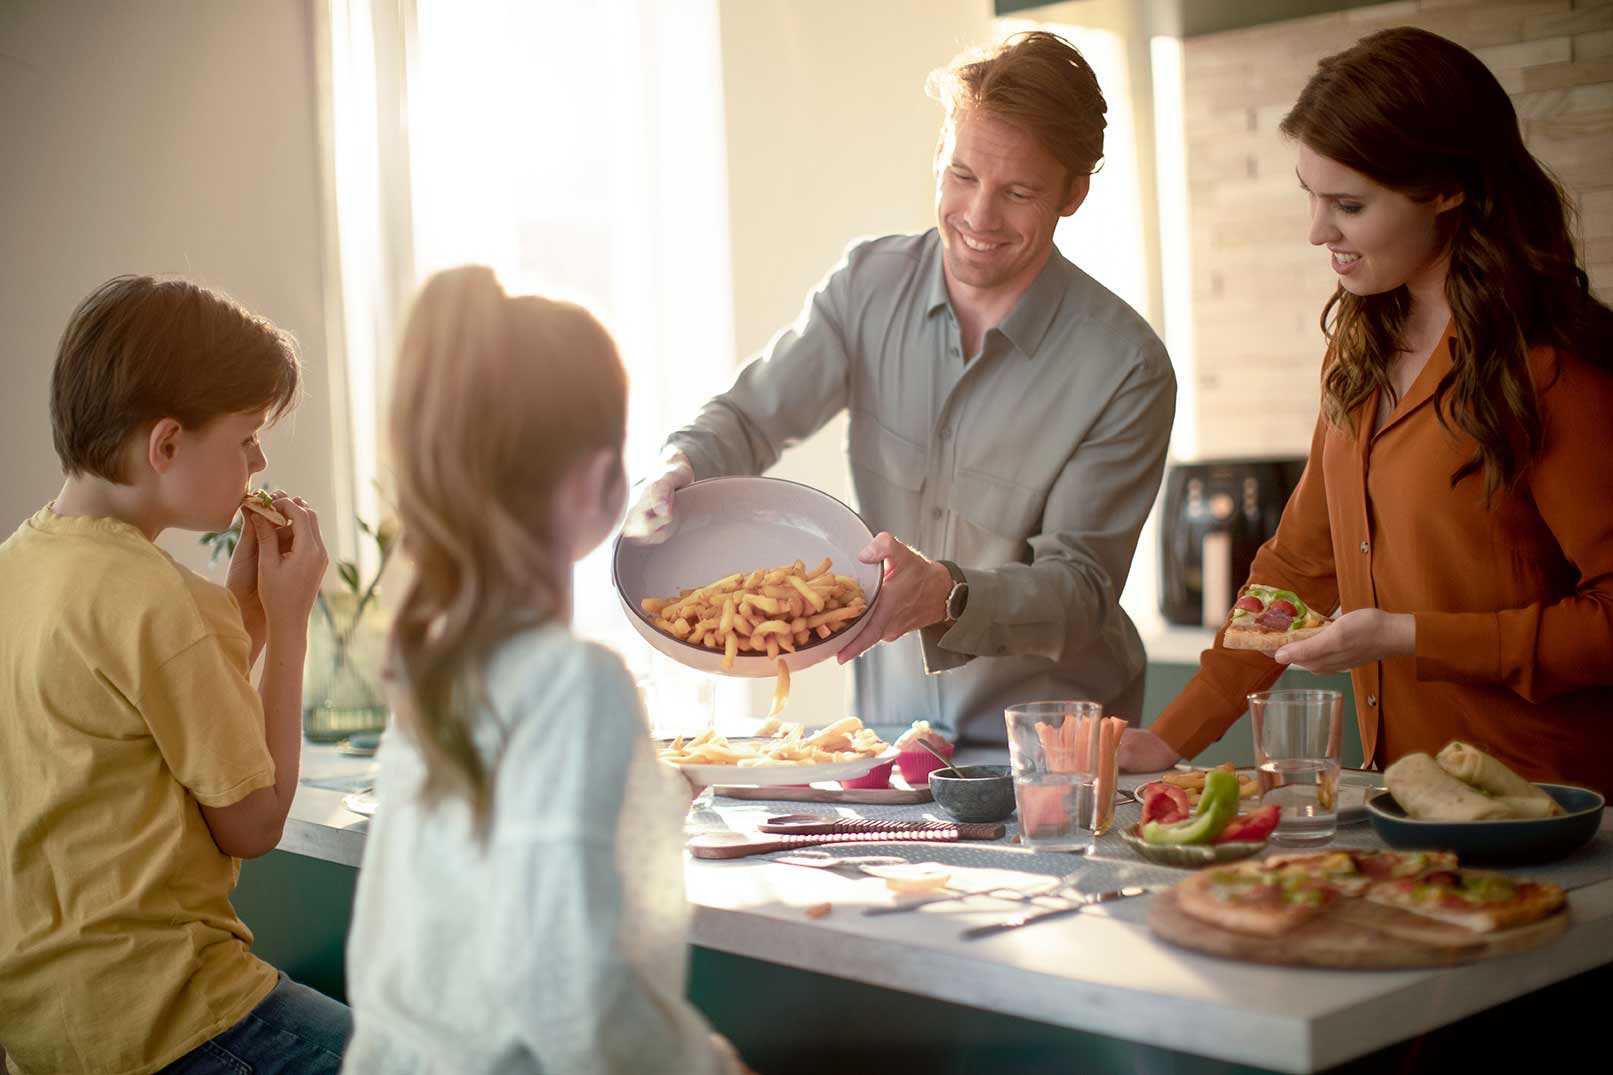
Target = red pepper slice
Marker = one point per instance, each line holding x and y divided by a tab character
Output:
1251	827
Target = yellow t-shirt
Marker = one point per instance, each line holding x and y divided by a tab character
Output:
124	703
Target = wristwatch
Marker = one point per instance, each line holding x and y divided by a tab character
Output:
958	599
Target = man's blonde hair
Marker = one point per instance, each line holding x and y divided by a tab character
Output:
1036	81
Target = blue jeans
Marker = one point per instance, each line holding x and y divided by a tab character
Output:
293	1031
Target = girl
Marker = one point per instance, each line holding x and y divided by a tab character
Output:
1456	500
521	905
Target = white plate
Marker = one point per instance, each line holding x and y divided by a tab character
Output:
1356	786
764	775
361	802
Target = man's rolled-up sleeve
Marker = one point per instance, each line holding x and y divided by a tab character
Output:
1067	597
783	395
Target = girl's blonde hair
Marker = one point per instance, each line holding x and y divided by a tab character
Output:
495	398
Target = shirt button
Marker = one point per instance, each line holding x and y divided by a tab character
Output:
1372	699
935	513
1364	546
953	351
946	432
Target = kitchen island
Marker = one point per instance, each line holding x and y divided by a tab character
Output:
1100	977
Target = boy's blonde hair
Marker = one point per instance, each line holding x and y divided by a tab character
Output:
143	348
495	398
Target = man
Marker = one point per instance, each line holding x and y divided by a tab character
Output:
1008	416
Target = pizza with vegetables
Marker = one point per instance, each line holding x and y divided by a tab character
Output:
1266	619
1254	898
1274	896
1473	899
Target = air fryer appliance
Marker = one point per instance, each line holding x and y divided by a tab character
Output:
1216	516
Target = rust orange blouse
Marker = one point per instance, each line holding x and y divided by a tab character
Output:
1513	600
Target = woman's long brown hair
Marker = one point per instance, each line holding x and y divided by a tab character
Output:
1423	116
494	399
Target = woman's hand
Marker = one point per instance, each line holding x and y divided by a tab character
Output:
1144	752
1364	636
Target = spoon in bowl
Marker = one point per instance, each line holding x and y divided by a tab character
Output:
942	758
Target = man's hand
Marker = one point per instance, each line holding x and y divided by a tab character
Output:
1144	752
1356	638
649	520
914	594
291	563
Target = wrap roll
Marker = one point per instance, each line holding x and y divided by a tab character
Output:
1428	793
1472	766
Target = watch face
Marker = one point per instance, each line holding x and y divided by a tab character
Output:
957	600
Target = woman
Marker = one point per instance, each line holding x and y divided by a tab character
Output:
1458	500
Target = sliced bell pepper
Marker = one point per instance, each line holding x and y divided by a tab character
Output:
1164	803
1217	806
1252	827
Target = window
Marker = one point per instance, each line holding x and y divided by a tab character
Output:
578	150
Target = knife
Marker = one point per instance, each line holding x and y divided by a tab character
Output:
976	932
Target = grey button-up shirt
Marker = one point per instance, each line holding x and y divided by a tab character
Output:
1032	465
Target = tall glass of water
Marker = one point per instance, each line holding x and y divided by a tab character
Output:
1054	767
1297	739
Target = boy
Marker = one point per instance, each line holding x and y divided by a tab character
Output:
137	764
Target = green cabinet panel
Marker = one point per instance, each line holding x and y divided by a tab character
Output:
1166	680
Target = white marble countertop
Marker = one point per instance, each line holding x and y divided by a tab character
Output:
319	826
1100	971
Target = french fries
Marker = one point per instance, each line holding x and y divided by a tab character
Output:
844	740
766	611
769	611
1192	782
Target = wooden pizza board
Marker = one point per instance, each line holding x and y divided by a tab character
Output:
1353	934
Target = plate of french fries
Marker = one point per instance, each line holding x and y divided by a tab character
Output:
760	577
779	753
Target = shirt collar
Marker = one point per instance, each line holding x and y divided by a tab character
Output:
1028	321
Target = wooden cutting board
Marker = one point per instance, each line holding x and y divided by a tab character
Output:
1353	934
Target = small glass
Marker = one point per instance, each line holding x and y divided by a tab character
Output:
679	701
1053	751
1297	740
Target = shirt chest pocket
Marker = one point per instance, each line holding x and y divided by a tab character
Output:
888	472
999	515
894	459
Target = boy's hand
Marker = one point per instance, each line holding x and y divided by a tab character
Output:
291	564
242	581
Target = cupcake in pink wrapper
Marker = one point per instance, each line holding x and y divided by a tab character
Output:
877	777
914	761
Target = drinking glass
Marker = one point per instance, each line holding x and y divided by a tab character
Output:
1053	751
1297	739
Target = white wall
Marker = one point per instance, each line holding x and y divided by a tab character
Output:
830	138
169	136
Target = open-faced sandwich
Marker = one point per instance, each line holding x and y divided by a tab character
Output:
1266	619
261	503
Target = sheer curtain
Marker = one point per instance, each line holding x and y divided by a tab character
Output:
577	149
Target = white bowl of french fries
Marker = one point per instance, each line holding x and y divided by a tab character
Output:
759	572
